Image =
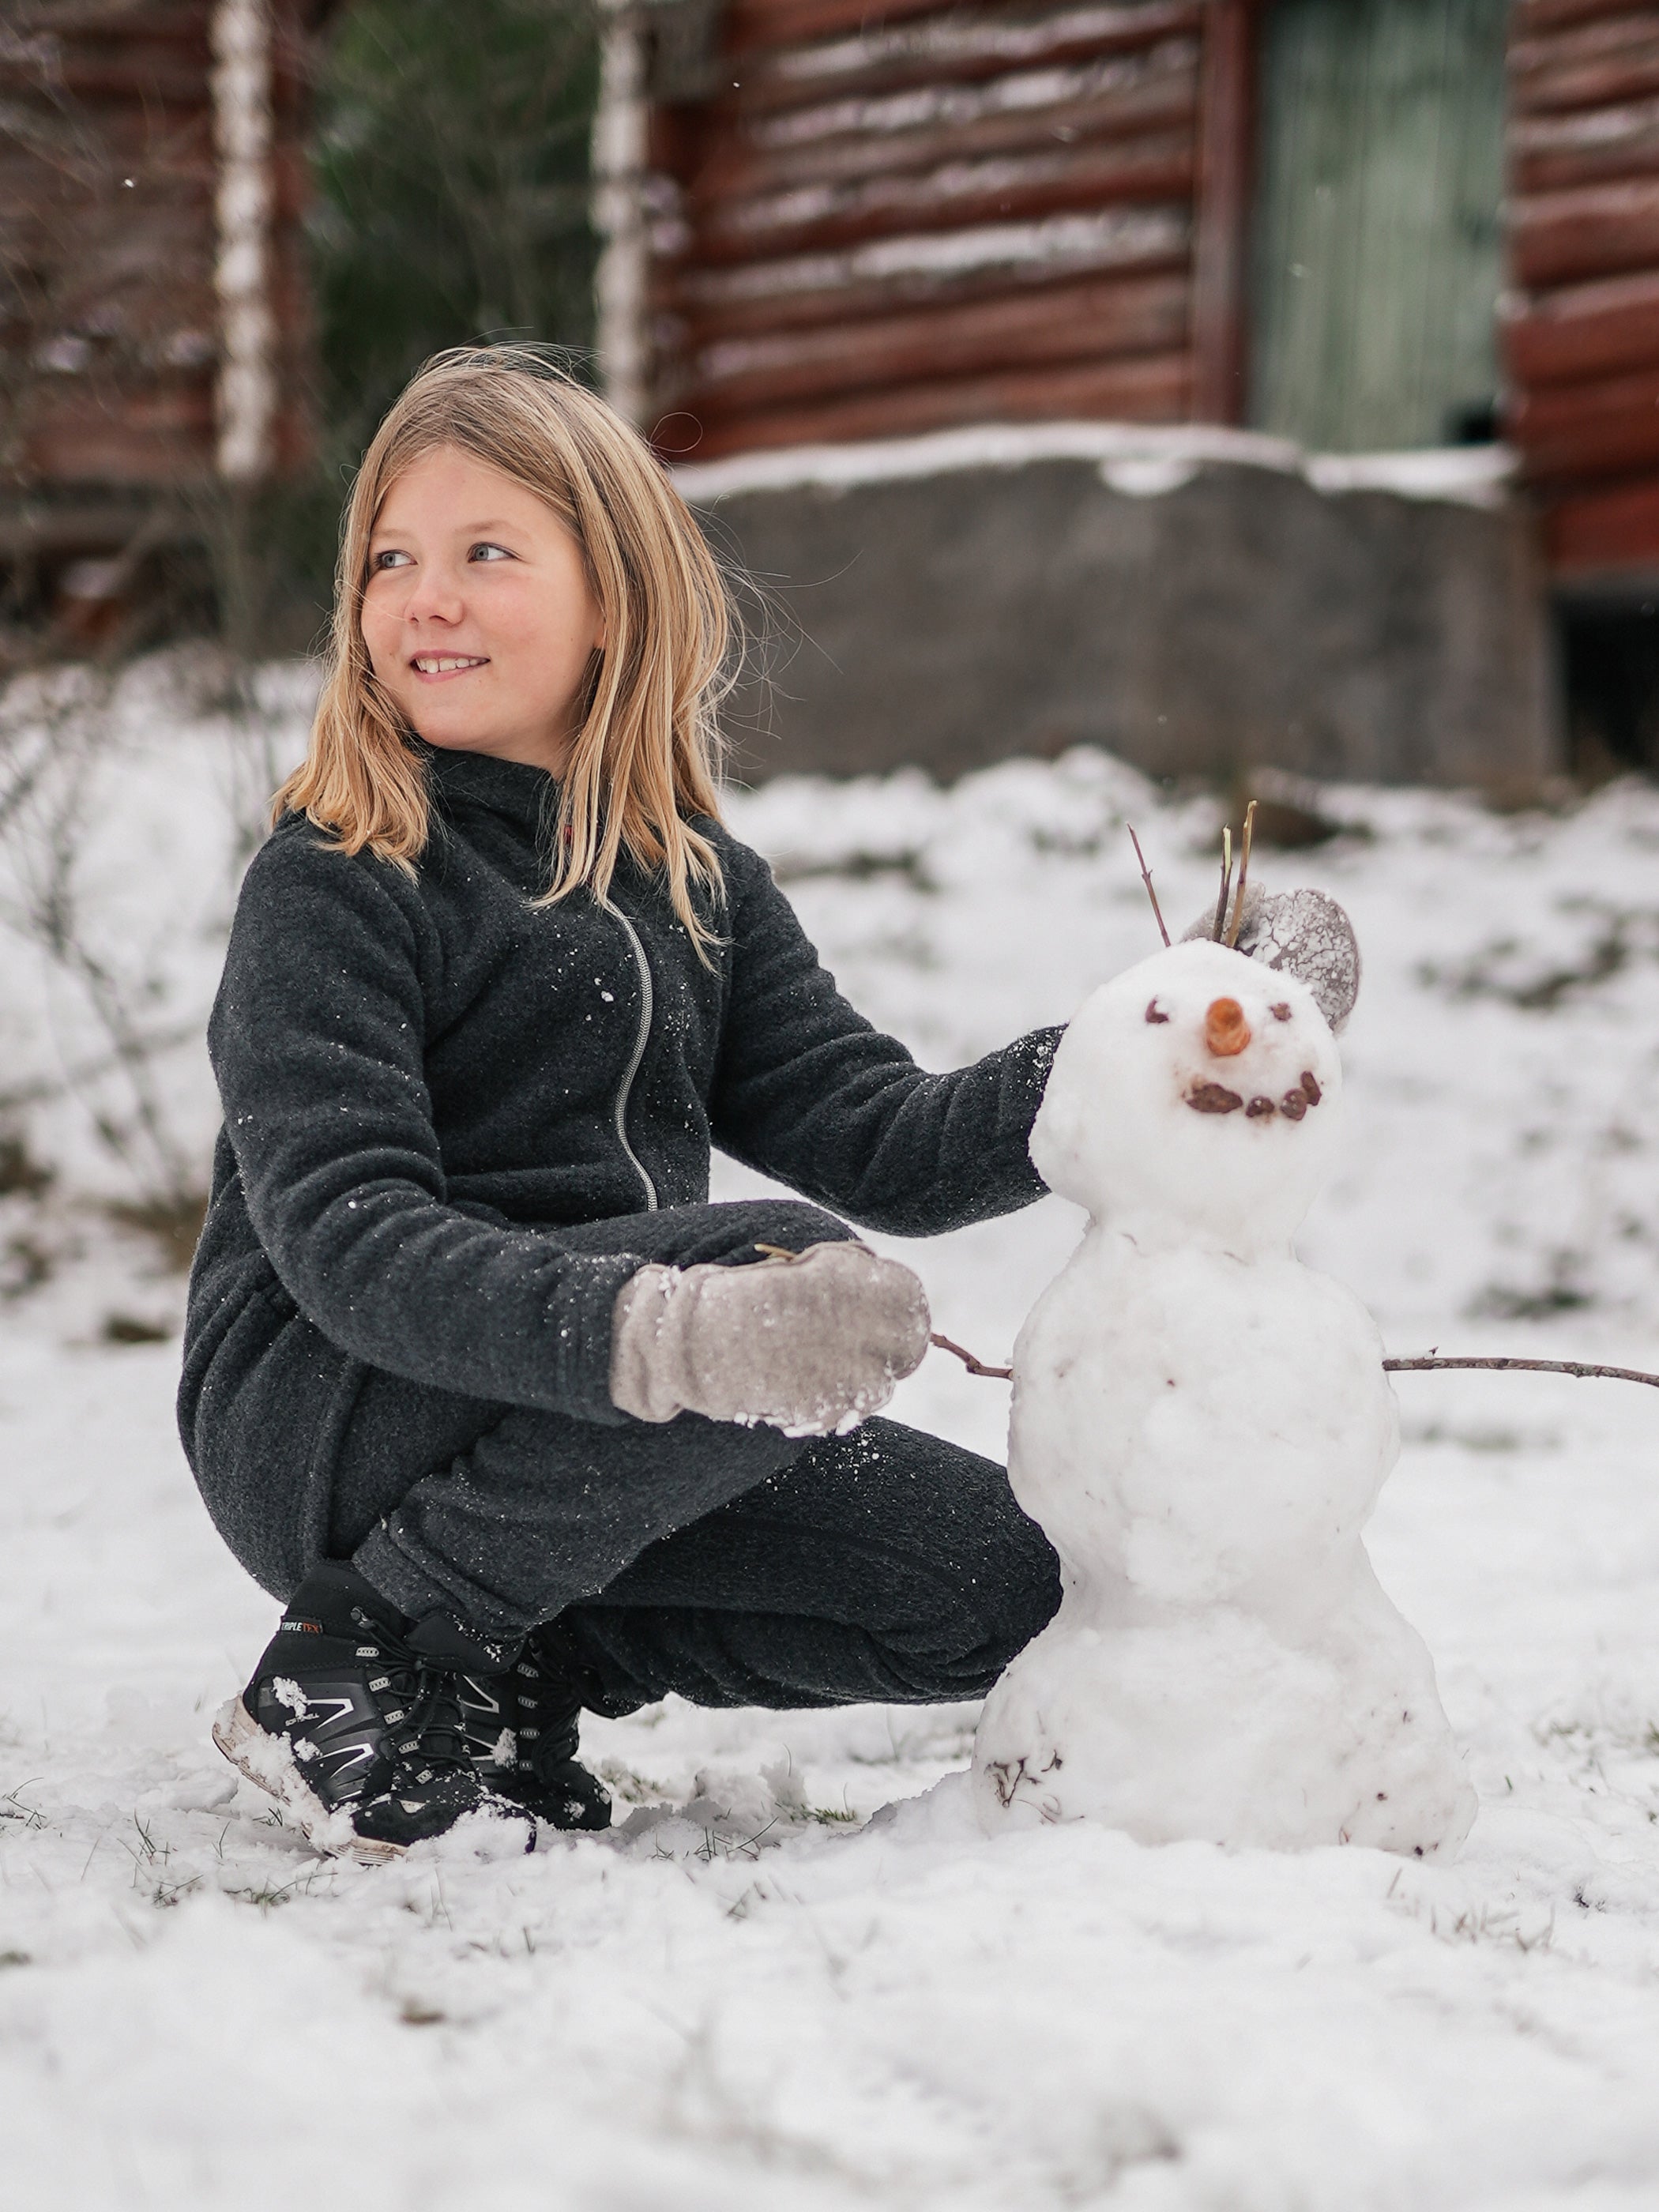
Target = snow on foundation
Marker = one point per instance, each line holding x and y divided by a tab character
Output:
1139	461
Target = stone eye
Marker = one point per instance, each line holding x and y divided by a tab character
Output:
1281	1012
1153	1013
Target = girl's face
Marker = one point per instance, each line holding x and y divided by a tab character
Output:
477	616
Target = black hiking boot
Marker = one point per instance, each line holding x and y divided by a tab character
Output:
546	1777
361	1721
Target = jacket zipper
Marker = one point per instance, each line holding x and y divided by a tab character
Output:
640	1043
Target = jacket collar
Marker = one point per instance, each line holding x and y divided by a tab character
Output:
528	796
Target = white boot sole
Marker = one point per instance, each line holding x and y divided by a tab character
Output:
268	1761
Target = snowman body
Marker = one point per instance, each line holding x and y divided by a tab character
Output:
1201	1426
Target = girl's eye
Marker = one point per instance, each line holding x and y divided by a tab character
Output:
389	558
486	551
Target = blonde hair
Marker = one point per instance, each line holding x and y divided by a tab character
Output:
647	752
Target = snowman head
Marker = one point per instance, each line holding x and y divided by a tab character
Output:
1195	1097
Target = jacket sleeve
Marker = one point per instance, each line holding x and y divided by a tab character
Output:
318	1039
809	1092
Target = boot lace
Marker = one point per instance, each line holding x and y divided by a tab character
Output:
420	1703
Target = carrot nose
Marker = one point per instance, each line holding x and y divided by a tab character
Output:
1226	1029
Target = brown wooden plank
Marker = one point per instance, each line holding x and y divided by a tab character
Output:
176	82
756	35
1599	66
1530	18
1607	428
1122	97
1098	322
688	317
1609	533
1564	237
116	450
872	278
1022	188
1556	153
1609	32
1605	85
1226	134
1584	332
148	19
753	25
1157	390
959	47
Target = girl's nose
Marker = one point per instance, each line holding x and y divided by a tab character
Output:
436	598
1226	1029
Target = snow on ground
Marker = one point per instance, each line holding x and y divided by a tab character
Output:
794	1974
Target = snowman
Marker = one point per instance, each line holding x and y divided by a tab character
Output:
1201	1426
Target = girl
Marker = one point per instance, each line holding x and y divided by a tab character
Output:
476	1379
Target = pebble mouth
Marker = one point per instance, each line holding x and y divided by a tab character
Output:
1209	1097
1214	1098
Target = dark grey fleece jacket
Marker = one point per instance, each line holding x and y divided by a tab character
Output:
456	1122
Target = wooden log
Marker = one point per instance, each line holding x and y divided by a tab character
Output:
1597	66
162	20
959	47
1585	331
755	33
1099	322
690	316
1565	238
1607	428
1016	188
753	26
174	83
1121	98
1157	390
1608	532
1533	18
1556	153
892	270
110	450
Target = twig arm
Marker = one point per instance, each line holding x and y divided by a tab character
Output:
974	1366
1578	1367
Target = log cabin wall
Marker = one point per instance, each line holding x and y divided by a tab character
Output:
116	224
872	223
1581	336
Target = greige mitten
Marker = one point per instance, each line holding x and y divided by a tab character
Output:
1305	933
809	1344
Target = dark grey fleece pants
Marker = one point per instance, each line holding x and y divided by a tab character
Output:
733	1565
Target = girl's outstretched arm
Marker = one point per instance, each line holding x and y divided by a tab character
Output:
811	1092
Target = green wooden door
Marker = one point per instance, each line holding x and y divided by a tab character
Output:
1378	257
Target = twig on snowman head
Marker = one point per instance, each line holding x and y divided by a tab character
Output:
1146	879
1244	873
1226	885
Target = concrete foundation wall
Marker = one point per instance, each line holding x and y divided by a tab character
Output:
1243	617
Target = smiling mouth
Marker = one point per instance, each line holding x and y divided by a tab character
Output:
446	664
